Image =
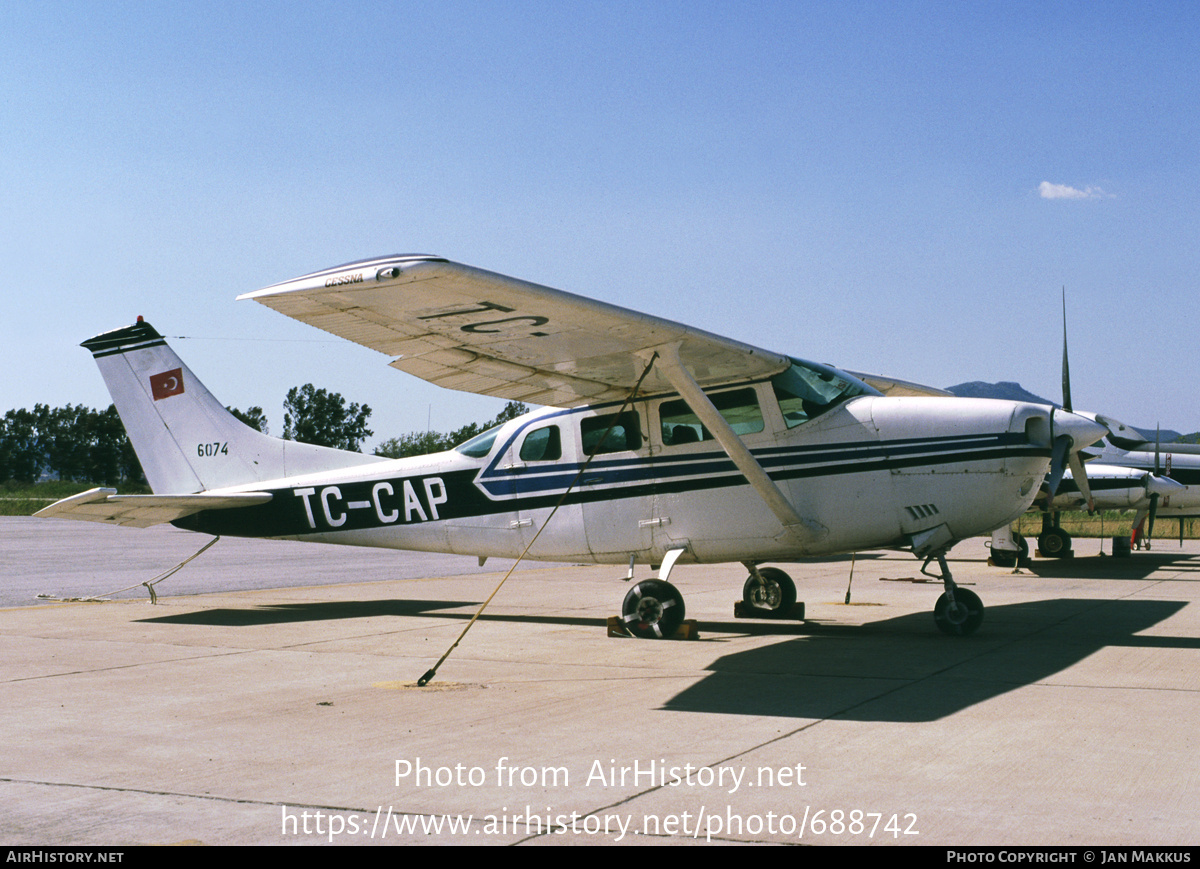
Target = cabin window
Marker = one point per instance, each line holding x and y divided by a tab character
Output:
542	445
807	390
626	433
681	426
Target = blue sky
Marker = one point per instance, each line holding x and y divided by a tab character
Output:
901	188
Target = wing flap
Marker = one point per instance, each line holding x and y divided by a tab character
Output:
477	331
142	511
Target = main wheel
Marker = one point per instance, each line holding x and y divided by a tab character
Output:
1008	558
962	618
653	609
774	597
1004	557
1054	543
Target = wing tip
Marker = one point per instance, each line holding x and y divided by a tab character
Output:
337	275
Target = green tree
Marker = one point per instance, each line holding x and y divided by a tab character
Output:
66	437
112	458
413	444
21	456
423	443
254	417
71	443
316	416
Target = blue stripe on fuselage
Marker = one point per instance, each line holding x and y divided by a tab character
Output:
780	462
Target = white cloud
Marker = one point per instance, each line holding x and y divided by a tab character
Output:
1063	191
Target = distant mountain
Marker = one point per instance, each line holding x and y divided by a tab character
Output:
1006	389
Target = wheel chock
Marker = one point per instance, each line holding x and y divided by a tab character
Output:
686	631
742	610
1070	553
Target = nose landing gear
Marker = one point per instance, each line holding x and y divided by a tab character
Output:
958	612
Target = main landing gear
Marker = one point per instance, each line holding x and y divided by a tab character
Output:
958	612
654	609
1053	542
1010	557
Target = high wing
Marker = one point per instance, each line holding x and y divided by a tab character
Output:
477	331
893	386
142	511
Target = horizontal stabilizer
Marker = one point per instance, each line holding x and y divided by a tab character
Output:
142	511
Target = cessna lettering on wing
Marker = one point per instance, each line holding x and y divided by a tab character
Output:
390	501
356	278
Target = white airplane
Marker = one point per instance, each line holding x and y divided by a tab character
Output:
1107	482
1127	471
661	444
1112	487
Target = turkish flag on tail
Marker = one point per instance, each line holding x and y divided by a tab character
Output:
166	384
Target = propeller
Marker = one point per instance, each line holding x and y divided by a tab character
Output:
1154	495
1061	455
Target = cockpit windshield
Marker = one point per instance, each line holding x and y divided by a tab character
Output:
480	445
807	390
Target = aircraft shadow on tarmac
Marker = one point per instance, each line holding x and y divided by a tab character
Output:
309	612
354	609
1136	566
900	670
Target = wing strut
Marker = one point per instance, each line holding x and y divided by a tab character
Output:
671	366
432	671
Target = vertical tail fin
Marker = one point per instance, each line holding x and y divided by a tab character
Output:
184	438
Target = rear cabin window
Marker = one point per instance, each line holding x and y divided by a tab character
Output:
626	433
681	426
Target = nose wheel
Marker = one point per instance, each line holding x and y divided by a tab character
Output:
769	593
958	612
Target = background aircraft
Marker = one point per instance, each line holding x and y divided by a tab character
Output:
661	444
1123	476
1128	471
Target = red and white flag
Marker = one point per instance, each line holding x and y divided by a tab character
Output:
166	384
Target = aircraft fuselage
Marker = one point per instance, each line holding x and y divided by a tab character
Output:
872	472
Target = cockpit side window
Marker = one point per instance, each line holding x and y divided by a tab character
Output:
806	391
681	426
542	445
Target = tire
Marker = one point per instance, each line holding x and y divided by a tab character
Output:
1054	543
1008	558
1004	558
964	618
653	610
775	599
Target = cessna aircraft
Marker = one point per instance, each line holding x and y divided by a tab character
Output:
659	444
